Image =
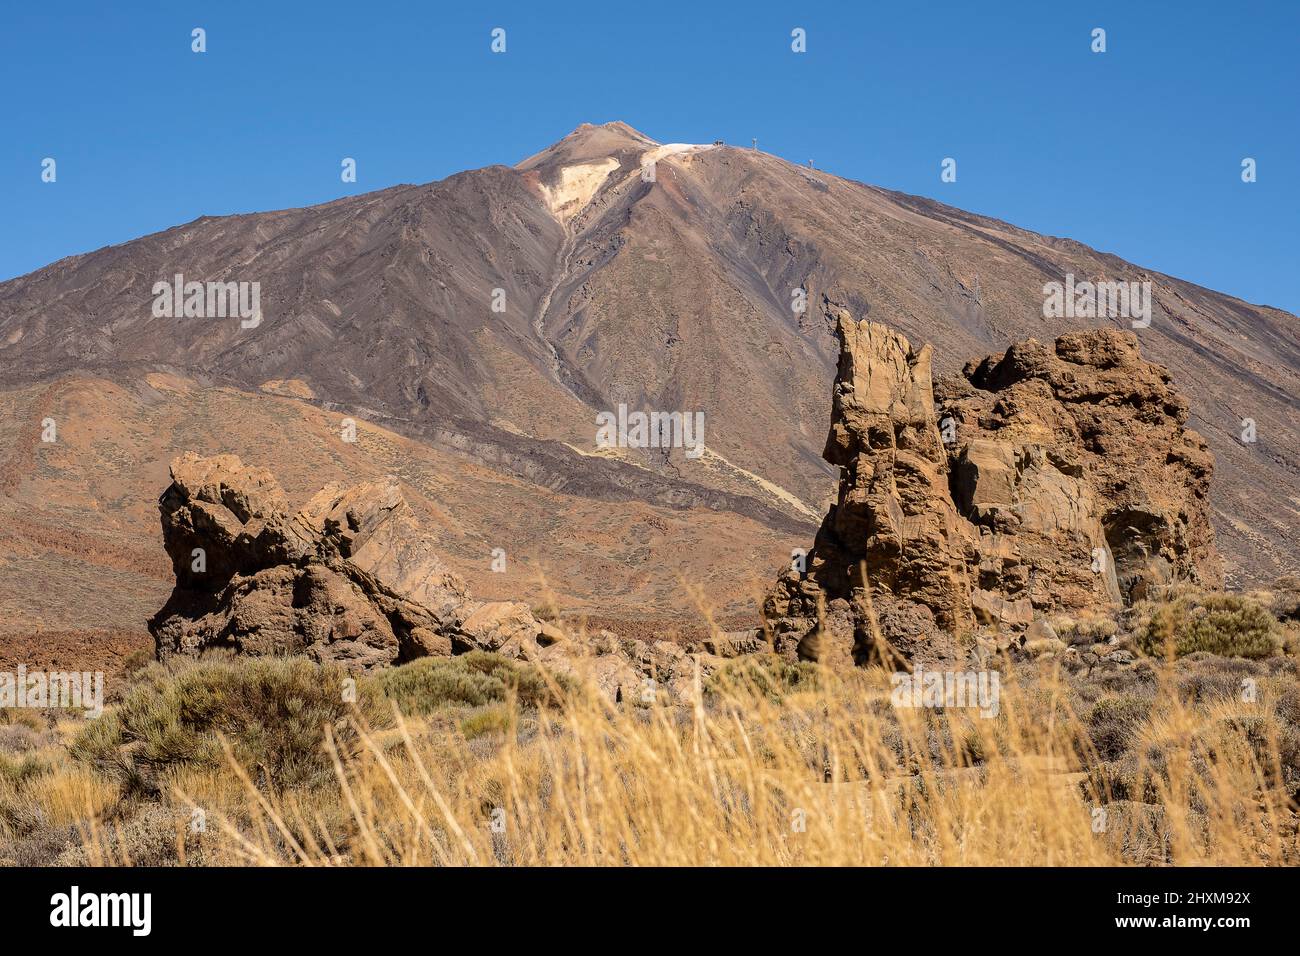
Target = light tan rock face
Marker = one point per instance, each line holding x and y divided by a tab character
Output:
1051	479
891	556
350	578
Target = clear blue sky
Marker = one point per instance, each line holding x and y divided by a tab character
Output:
1136	151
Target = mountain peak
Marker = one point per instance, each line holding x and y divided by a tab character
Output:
589	143
614	129
571	172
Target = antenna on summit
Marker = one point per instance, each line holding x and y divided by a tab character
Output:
755	143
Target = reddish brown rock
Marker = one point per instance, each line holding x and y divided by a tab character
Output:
350	578
890	558
1051	479
1075	464
493	625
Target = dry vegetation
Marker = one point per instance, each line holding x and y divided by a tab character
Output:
1191	759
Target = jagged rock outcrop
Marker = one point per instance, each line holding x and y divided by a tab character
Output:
1075	464
891	556
350	578
1052	479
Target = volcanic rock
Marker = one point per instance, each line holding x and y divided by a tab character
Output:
1052	479
350	578
1075	465
890	558
632	671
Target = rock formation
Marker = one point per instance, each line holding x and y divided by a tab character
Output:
1075	464
350	578
891	556
1048	480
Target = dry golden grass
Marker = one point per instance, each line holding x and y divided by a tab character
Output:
827	772
834	776
45	788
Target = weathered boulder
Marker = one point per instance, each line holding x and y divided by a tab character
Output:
496	624
350	578
220	517
628	670
733	643
373	529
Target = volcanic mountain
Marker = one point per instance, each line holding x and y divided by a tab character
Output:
472	330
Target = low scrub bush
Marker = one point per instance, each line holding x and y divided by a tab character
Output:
492	720
1229	625
468	680
21	717
15	771
271	711
1286	599
1113	721
766	675
1095	629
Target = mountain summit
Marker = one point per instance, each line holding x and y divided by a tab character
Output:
590	143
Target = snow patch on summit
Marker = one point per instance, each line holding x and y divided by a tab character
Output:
580	182
669	149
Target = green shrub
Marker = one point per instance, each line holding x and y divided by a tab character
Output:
1225	624
469	680
492	720
766	674
271	711
16	771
